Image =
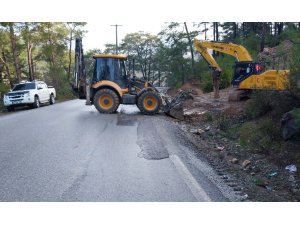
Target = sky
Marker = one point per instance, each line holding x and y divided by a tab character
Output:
139	15
102	33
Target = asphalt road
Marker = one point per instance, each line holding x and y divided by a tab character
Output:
70	152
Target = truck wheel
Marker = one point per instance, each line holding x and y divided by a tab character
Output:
106	101
51	100
149	102
36	103
10	108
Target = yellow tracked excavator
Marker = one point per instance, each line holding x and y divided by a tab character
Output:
248	75
111	86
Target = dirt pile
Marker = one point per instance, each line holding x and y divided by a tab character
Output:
189	85
196	110
276	57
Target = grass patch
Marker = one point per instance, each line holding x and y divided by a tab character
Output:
261	136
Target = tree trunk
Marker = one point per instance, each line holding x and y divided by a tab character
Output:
70	55
235	27
8	74
159	81
14	51
263	36
205	31
182	74
191	48
29	61
244	30
216	35
29	53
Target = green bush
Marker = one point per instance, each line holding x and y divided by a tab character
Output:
296	115
258	105
260	136
208	116
207	83
275	102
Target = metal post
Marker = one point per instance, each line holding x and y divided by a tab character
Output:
116	25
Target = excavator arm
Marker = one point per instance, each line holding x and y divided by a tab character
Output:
237	51
212	63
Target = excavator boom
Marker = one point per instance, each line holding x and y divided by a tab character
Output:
237	51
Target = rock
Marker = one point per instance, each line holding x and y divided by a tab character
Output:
220	148
196	131
237	188
193	130
200	131
246	163
207	128
225	139
224	177
244	197
252	173
234	161
291	178
295	191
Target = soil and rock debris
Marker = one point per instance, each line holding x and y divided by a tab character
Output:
259	177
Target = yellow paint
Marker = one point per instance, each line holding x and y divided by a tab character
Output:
237	51
150	103
115	86
105	101
271	79
110	56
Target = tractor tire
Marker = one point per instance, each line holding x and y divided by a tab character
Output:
149	102
106	101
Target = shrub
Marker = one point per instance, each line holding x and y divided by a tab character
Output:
264	101
260	136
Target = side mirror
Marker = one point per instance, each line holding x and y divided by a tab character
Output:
39	88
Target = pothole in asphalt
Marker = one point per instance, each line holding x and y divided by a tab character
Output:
153	154
126	120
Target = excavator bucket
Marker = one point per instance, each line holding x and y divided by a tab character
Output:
174	108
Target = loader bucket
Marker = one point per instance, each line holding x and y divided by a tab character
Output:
176	111
174	108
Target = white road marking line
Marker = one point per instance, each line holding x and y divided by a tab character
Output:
190	181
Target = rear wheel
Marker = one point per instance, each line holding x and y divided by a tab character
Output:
106	101
51	100
36	103
149	102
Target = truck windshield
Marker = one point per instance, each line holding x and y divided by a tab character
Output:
26	86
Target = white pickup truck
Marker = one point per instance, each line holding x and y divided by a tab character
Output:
29	93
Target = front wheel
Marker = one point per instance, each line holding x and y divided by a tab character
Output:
36	103
10	108
51	100
106	101
149	102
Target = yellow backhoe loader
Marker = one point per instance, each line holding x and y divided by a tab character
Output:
248	74
111	86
